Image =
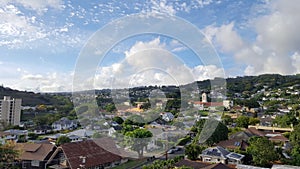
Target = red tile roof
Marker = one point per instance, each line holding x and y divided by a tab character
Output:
209	104
93	153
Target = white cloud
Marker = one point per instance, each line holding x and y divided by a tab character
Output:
225	36
162	7
21	27
203	3
40	6
296	61
176	46
32	77
202	72
15	28
48	82
277	39
150	63
16	77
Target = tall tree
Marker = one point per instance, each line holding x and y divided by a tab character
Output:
262	151
242	121
8	155
193	150
138	139
118	119
295	140
62	139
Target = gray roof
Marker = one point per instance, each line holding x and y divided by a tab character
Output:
82	133
285	167
64	121
241	135
241	166
235	156
216	151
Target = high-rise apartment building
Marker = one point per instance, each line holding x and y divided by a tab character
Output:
10	110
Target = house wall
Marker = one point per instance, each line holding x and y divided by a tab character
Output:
27	164
212	159
233	161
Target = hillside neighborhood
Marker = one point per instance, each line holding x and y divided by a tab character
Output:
255	125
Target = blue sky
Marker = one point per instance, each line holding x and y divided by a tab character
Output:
41	41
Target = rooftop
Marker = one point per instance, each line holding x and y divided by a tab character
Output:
34	151
94	154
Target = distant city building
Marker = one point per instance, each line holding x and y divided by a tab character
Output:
10	110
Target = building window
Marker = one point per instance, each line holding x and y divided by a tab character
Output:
35	163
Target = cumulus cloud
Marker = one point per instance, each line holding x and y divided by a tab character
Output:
47	82
150	63
23	79
225	36
275	47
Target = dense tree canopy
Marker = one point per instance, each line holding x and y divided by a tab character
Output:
193	150
210	132
8	155
285	120
262	151
138	139
242	121
295	140
118	119
110	107
62	140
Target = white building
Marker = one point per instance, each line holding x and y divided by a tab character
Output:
64	124
168	116
10	110
204	97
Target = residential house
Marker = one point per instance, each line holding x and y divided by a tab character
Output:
279	139
233	144
83	133
52	138
113	130
207	105
13	134
64	124
200	165
74	138
167	116
266	120
42	130
255	132
242	166
220	155
85	154
242	135
33	155
276	137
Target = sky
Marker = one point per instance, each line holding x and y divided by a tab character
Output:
42	42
